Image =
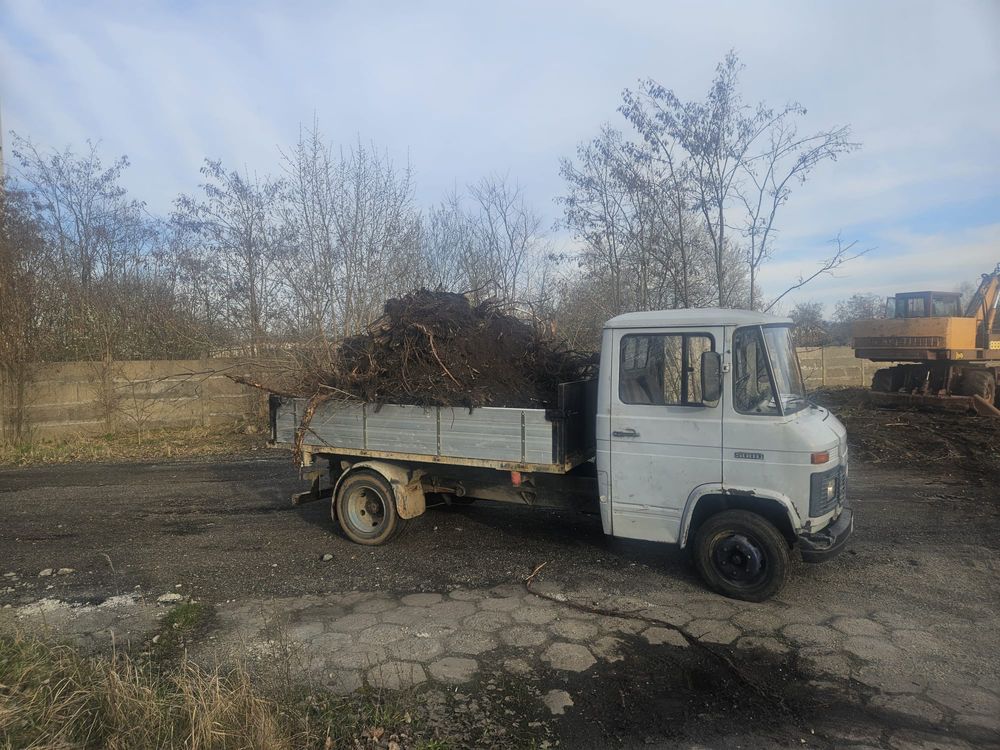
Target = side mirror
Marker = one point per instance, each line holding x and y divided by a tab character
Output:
711	378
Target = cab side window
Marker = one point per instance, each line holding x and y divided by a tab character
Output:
910	307
946	307
662	369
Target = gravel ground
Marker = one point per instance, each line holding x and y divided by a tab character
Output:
894	644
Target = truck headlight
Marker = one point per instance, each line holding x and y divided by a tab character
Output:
823	491
830	489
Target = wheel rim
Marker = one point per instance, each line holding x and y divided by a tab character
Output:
739	559
366	510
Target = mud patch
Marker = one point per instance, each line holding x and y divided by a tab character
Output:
721	697
652	694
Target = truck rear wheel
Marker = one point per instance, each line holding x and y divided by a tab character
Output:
365	508
741	555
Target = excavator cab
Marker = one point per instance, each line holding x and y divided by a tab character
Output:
924	305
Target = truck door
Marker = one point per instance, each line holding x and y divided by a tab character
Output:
665	441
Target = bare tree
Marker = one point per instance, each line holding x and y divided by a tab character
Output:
24	333
98	239
810	328
665	180
196	278
507	236
595	208
643	242
448	246
353	234
109	290
859	306
377	228
84	212
236	220
313	267
742	160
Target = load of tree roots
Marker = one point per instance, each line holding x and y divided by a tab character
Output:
437	349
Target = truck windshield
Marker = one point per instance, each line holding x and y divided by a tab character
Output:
765	364
785	367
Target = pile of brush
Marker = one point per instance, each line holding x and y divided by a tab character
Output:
437	349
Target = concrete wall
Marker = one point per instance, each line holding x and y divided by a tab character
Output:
828	366
68	398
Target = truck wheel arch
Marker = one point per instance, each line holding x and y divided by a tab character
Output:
406	483
708	500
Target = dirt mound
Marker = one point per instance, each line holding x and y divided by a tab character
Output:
907	437
437	349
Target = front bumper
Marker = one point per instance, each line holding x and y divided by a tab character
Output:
830	542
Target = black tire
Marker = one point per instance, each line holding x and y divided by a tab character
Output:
978	382
365	508
742	555
882	380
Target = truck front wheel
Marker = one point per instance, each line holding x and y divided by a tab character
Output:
365	508
741	555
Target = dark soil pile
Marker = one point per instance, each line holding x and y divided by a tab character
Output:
437	349
947	442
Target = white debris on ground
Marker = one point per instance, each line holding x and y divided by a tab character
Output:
49	606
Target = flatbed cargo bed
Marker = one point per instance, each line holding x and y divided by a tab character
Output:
511	439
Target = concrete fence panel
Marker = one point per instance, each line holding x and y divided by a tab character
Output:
831	366
72	398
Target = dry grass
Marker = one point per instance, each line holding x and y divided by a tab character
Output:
178	442
52	697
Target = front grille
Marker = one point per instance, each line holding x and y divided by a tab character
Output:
899	342
819	504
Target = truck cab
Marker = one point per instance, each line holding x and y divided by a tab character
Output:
705	438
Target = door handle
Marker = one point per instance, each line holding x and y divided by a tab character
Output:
629	433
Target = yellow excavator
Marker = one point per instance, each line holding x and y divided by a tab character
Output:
952	356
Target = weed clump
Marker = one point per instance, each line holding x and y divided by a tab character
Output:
180	626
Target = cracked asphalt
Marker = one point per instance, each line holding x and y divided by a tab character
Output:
892	645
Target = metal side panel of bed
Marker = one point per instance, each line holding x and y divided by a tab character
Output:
536	439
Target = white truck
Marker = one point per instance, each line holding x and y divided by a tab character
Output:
697	432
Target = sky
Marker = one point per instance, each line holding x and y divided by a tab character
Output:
461	90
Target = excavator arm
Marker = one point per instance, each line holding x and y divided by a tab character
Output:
983	307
